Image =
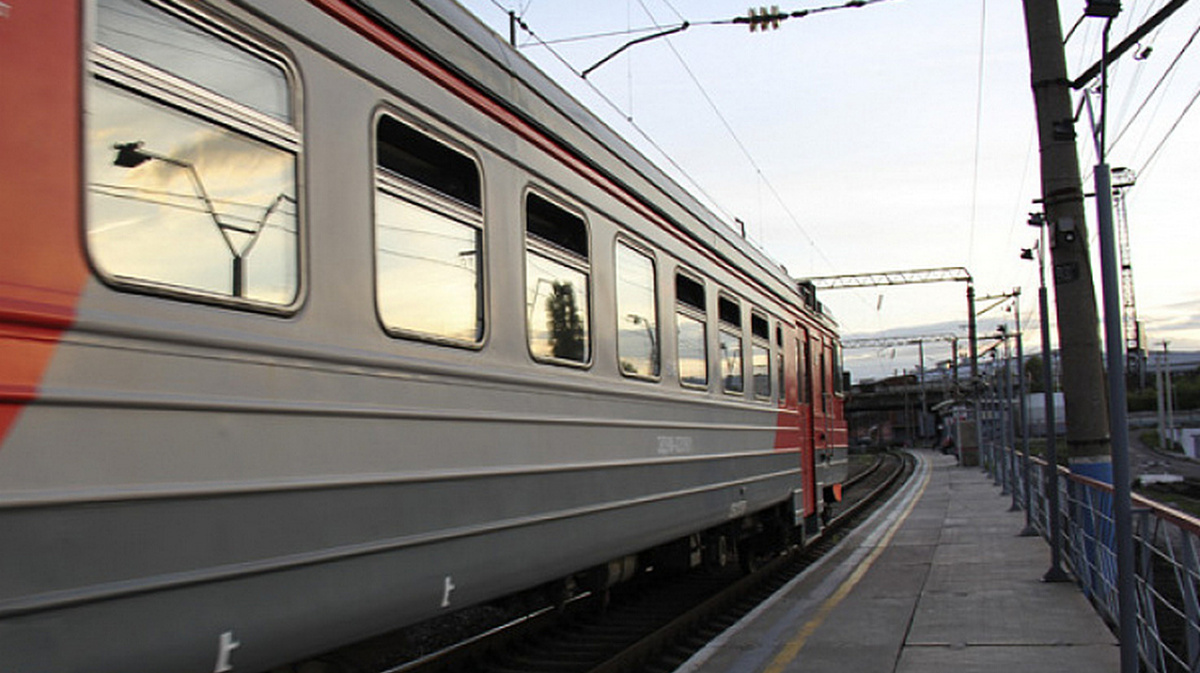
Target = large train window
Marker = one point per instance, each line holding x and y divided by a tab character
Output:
428	234
760	355
192	150
556	282
729	340
690	326
637	308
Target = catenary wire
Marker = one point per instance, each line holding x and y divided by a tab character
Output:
1163	78
978	134
741	146
608	101
548	45
1167	136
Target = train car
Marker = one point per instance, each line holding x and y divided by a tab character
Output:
322	317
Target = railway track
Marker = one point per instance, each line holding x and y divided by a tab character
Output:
651	624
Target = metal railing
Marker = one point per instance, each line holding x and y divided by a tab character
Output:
1167	548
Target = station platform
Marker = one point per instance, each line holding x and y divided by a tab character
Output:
938	580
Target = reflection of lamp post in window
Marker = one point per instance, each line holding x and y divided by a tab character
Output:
131	155
649	327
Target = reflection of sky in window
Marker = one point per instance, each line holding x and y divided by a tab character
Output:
175	46
693	358
427	277
149	223
731	361
635	347
637	326
761	363
541	274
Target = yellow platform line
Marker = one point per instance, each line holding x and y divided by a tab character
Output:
792	649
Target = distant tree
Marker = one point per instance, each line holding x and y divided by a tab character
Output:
565	323
1187	390
1145	399
1033	374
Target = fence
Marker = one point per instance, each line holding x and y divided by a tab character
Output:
1167	549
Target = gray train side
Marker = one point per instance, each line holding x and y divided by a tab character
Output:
321	318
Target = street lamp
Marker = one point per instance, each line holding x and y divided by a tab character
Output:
1056	572
1023	406
1009	438
132	155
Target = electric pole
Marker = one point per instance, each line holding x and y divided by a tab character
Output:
1062	201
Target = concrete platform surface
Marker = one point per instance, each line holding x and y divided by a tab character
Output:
937	581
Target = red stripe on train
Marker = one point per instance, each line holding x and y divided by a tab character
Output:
42	268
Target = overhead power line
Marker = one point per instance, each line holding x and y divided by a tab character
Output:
1166	73
764	20
1170	131
745	150
760	19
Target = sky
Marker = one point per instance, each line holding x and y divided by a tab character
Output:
894	136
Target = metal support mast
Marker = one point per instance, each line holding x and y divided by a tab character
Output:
911	277
1135	370
916	276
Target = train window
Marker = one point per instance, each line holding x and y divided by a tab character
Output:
556	282
435	166
729	340
428	235
838	376
760	355
760	327
690	326
803	381
637	306
192	151
780	375
781	388
822	375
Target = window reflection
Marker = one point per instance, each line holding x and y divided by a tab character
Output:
637	325
731	361
427	271
172	45
188	204
556	282
780	378
693	351
556	308
760	360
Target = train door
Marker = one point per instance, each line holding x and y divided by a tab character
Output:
828	485
820	393
829	431
839	435
804	419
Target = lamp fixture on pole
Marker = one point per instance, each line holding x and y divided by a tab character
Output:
132	154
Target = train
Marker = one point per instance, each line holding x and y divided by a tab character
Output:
323	317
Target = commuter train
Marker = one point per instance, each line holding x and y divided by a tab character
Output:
323	317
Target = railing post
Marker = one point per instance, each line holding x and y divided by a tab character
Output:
1150	643
1078	555
1191	570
